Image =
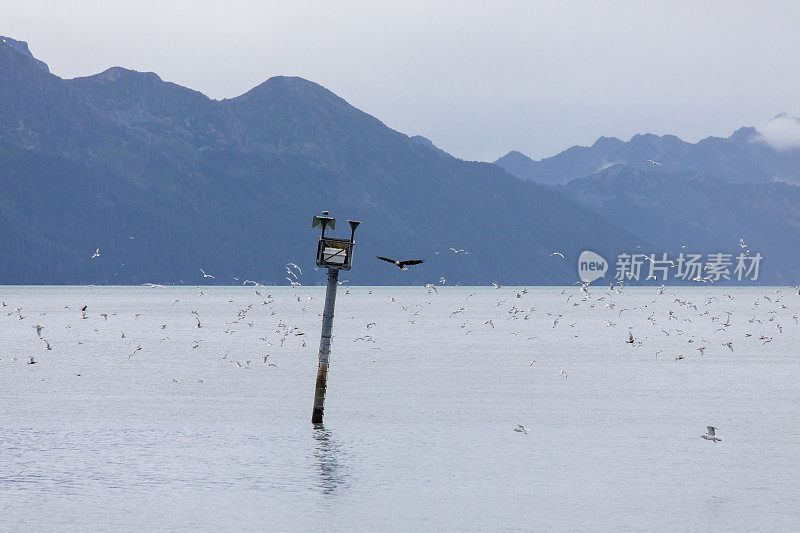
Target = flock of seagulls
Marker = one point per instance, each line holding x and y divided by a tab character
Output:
685	313
662	322
294	271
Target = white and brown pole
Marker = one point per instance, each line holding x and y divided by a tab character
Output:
325	346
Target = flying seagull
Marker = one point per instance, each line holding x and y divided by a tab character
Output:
96	253
521	429
654	163
207	275
558	254
401	264
711	435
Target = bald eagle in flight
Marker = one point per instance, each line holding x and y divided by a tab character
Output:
401	264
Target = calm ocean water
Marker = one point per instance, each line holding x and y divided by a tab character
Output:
196	431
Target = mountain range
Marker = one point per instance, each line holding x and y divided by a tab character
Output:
698	213
700	195
749	155
165	181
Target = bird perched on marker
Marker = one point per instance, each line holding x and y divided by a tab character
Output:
401	264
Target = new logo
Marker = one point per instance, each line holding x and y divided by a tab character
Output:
591	266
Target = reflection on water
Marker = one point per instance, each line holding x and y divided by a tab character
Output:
329	456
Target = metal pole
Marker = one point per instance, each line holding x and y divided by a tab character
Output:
325	346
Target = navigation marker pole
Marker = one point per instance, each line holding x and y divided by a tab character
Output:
335	255
325	346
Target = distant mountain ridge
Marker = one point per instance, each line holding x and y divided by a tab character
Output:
165	181
696	213
748	155
22	48
690	197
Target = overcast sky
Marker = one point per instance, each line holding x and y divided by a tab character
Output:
477	78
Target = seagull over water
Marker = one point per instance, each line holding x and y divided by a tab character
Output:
401	264
521	429
206	275
654	163
96	254
711	435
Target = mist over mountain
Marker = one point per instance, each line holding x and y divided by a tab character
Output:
166	181
749	155
704	196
